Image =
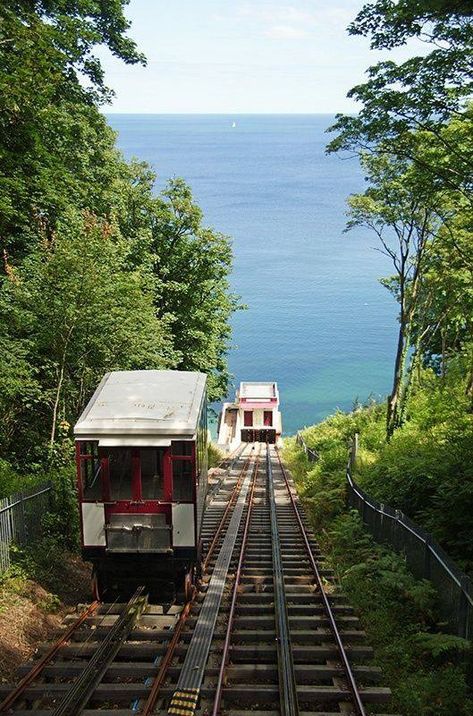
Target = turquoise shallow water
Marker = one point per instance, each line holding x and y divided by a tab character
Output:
318	321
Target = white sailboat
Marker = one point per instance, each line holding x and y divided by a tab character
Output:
233	125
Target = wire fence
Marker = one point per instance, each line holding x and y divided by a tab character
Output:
424	557
311	454
21	519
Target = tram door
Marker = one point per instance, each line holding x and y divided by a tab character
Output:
183	493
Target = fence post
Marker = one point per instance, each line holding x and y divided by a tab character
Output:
397	532
11	521
427	563
24	528
463	609
354	451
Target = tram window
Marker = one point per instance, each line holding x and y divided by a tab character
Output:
120	470
268	418
152	482
91	476
182	489
182	448
89	448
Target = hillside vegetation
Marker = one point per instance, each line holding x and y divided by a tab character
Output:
424	470
98	270
413	134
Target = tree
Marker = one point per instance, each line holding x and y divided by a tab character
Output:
51	133
443	326
82	312
98	272
422	93
191	264
414	135
404	222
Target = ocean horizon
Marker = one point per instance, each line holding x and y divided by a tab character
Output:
318	320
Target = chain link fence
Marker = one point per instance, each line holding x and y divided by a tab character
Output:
21	519
424	557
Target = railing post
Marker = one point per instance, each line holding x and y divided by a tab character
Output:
11	521
381	522
24	529
427	562
354	452
463	609
397	531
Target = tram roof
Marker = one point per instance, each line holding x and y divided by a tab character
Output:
132	406
258	389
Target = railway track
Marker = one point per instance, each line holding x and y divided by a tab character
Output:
266	633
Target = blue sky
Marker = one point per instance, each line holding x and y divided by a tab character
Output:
236	56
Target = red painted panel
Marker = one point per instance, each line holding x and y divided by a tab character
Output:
78	476
106	479
167	471
136	475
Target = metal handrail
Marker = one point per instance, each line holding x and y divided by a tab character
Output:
428	541
23	498
311	454
463	611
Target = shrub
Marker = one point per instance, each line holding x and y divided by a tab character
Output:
426	471
215	455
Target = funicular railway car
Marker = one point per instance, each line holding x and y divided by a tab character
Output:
141	452
254	416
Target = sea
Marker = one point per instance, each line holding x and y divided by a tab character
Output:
317	320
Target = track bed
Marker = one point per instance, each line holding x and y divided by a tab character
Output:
266	633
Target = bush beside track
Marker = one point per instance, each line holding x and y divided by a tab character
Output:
43	584
426	670
47	579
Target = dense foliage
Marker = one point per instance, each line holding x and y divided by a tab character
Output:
414	136
98	271
426	670
425	470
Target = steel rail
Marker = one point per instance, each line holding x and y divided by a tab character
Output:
358	703
232	456
40	665
83	687
188	686
231	616
230	504
165	662
287	679
230	460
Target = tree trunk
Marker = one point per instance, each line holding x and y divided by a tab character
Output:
59	388
392	413
469	385
56	404
443	334
413	371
